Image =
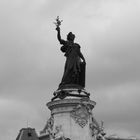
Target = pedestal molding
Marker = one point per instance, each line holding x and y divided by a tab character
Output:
69	102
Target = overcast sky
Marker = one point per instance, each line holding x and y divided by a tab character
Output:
31	63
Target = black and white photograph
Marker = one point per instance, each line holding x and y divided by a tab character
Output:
69	69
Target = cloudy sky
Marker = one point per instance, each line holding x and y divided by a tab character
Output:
31	64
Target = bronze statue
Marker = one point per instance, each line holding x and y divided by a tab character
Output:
74	71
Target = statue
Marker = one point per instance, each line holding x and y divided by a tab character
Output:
74	71
49	127
97	131
59	135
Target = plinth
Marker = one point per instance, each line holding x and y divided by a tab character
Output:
71	118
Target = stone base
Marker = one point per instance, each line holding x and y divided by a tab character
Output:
73	116
70	92
66	86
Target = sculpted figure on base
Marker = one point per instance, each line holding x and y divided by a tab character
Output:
74	71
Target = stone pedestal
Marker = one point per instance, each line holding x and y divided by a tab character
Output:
73	116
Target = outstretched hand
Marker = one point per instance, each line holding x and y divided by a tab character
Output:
57	28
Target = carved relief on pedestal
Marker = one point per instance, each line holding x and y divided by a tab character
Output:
58	133
93	129
80	114
49	127
97	130
94	126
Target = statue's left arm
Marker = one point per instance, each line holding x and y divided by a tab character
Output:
81	55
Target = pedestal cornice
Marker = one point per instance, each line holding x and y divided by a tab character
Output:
69	103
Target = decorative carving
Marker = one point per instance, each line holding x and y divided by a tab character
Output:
68	102
94	126
63	93
93	129
58	134
49	127
97	130
80	114
100	136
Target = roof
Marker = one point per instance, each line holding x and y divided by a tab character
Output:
27	134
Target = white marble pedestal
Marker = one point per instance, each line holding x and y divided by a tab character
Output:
73	116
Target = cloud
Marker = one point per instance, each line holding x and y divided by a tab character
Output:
116	51
117	106
14	115
31	64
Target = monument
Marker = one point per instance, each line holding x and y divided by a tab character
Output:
71	110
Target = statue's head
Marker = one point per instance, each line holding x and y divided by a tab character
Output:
70	36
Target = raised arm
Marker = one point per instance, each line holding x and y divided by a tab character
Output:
59	36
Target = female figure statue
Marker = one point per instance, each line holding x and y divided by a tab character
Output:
74	71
